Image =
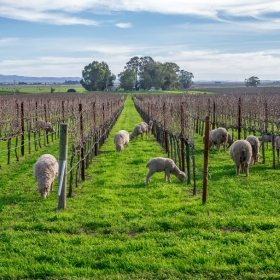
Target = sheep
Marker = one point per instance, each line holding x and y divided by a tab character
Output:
140	129
265	138
255	144
45	172
217	137
167	165
277	145
40	124
278	123
150	127
241	154
121	139
229	140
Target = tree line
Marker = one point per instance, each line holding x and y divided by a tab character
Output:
139	73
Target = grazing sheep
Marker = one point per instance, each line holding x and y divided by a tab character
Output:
277	145
241	153
217	137
40	124
265	138
167	165
45	171
121	139
229	140
151	123
255	144
140	129
278	123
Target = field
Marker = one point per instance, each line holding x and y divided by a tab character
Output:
117	227
24	89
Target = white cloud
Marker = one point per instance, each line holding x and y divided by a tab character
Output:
124	25
41	10
204	64
51	18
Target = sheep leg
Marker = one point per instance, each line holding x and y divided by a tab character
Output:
218	147
149	175
237	169
246	167
167	175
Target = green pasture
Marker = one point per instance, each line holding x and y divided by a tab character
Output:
117	227
26	89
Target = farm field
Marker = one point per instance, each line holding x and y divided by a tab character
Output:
117	227
23	89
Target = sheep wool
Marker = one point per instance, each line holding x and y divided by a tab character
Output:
140	129
241	153
255	144
167	165
45	172
217	137
40	124
121	139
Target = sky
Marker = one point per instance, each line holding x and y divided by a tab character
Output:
214	39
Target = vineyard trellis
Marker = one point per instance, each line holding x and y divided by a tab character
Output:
177	118
89	116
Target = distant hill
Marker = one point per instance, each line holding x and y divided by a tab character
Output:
26	79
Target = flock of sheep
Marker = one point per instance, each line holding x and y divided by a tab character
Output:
243	152
159	164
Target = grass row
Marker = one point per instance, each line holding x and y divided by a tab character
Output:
117	227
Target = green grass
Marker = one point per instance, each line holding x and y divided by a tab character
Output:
116	227
24	89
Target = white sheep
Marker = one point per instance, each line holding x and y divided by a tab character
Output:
255	144
277	145
241	153
45	172
40	124
217	137
121	139
167	165
278	123
229	140
140	129
265	138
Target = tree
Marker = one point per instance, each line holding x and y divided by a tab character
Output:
252	82
127	79
97	76
134	65
170	76
185	78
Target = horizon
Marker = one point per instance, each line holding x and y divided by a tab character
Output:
216	41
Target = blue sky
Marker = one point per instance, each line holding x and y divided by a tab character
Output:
214	39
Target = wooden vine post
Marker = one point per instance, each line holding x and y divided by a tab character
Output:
22	129
82	143
63	148
182	139
206	156
239	118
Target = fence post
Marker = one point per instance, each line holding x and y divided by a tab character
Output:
182	139
206	155
239	118
82	142
22	129
63	148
